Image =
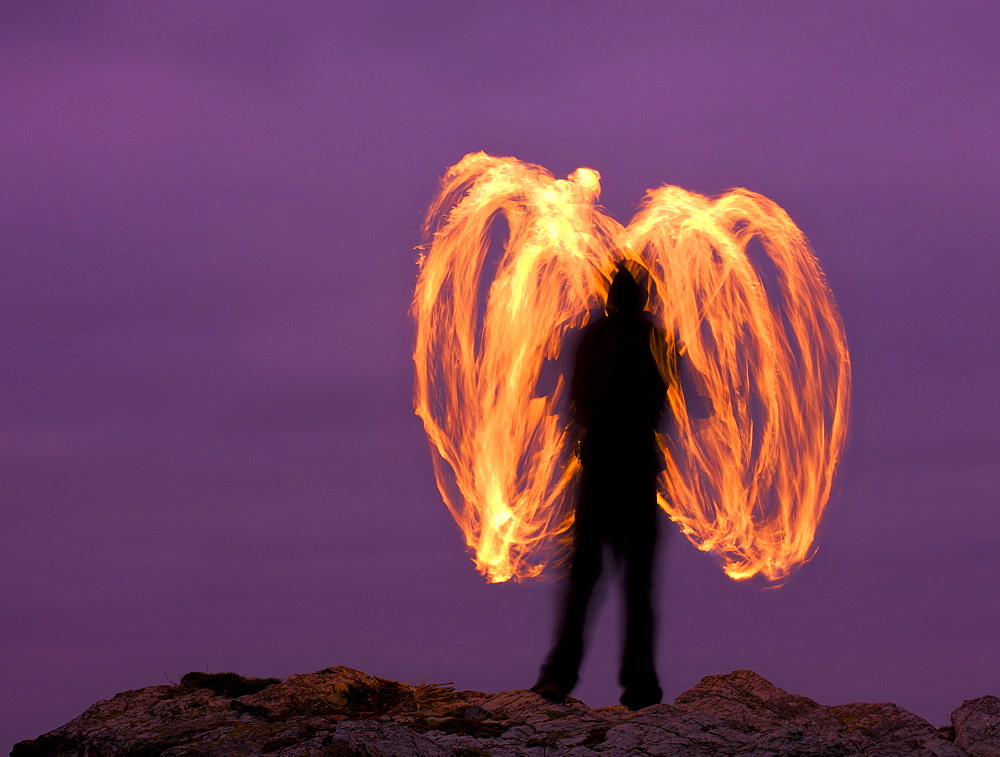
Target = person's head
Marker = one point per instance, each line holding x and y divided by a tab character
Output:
625	296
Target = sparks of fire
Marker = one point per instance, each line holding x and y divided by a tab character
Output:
762	341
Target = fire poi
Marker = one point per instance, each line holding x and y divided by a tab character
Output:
763	343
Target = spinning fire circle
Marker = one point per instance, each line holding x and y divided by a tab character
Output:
764	343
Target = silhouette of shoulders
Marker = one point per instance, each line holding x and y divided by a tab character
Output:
617	390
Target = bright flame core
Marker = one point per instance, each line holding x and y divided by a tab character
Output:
748	482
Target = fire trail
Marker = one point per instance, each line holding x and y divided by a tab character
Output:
734	283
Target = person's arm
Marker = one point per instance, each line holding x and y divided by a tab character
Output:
699	406
582	387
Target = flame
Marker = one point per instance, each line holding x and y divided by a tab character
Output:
763	347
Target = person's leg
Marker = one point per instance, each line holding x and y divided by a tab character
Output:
559	674
638	672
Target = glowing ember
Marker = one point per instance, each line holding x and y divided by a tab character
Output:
748	482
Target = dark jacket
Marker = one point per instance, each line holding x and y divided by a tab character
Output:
618	393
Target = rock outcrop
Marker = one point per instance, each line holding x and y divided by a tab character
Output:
342	712
977	726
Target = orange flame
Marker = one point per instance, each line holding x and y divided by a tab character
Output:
749	482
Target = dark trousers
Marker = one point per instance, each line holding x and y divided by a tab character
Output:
617	507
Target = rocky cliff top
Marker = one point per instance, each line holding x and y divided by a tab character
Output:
343	712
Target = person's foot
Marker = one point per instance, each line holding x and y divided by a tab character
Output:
550	690
637	699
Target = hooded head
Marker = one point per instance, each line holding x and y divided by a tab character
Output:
625	297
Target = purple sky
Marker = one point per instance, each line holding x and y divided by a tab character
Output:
208	214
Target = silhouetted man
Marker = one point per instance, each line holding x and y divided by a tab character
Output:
618	398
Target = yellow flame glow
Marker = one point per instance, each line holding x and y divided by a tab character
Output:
749	481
